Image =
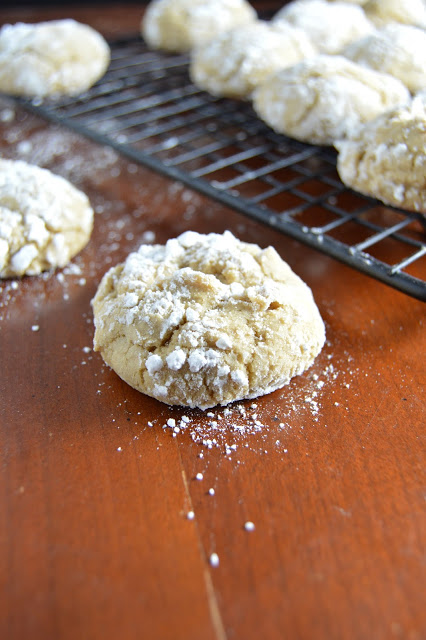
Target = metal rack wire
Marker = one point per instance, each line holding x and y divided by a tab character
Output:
147	108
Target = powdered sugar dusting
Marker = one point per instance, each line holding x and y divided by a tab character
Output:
247	425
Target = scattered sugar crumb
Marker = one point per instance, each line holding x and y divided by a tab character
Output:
35	327
249	526
7	115
214	560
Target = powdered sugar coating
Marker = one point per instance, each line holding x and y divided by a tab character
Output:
382	12
397	49
59	57
44	220
242	341
237	61
386	159
325	98
330	25
180	25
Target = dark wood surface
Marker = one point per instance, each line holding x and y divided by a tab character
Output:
94	536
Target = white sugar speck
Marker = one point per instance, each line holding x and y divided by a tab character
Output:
214	560
211	491
190	515
199	476
249	526
7	115
24	147
35	327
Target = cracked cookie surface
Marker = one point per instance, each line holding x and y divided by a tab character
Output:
44	219
386	159
396	49
330	25
325	98
206	320
58	57
237	61
180	25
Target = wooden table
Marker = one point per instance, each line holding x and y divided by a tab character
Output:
95	541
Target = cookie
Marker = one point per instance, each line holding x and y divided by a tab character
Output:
329	25
382	12
397	49
60	57
237	61
206	320
180	25
44	220
386	159
325	98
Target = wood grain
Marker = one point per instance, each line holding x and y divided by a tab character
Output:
94	536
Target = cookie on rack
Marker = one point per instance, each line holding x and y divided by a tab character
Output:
237	61
206	320
386	159
397	49
59	57
382	12
330	25
44	220
180	25
325	98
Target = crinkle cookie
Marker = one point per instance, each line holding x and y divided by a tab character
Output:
325	98
205	320
237	61
381	12
180	25
44	220
397	49
386	159
330	25
60	57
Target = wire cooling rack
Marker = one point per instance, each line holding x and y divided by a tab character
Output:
146	108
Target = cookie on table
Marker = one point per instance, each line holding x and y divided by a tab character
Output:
59	57
382	12
206	320
386	159
330	25
397	49
44	220
235	62
325	98
180	25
